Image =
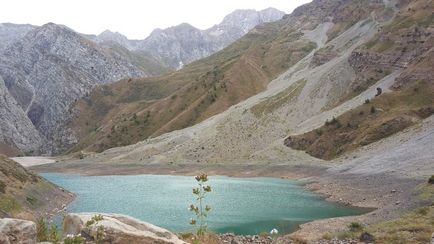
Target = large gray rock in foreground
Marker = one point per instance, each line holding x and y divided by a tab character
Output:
17	231
118	229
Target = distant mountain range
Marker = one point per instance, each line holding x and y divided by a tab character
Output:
183	44
44	70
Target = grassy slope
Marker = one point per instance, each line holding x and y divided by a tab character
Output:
132	110
381	117
415	226
24	194
407	38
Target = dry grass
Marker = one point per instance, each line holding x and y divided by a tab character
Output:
133	110
273	103
370	122
416	226
208	238
24	194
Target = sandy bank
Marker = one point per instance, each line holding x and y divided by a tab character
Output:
33	161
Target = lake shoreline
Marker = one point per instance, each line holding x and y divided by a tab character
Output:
388	195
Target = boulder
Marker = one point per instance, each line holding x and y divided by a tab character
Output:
118	229
17	231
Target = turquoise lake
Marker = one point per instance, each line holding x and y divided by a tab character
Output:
240	205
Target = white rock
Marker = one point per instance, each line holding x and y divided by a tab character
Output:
17	231
119	229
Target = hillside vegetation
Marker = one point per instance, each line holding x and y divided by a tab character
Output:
407	42
27	195
133	110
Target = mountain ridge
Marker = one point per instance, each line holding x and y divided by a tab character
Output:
182	44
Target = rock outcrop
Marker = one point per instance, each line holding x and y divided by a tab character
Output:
118	229
45	72
10	33
17	231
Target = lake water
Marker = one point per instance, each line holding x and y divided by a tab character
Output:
240	205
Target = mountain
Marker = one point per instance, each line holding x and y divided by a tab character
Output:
359	46
339	91
182	44
26	195
46	71
132	110
109	36
10	33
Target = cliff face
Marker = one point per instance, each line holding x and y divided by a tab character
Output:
16	129
45	72
10	33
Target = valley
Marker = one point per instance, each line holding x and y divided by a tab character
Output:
338	95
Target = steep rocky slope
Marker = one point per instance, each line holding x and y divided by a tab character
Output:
182	44
46	71
308	93
405	44
10	33
16	129
132	110
208	87
26	195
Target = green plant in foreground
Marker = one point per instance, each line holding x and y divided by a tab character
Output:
200	209
43	233
73	239
100	234
53	234
41	230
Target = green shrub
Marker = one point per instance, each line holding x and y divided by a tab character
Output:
422	211
73	240
431	180
53	234
354	226
327	236
2	187
45	234
100	232
41	230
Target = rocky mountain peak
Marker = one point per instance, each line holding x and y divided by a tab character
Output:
184	43
246	19
108	35
9	33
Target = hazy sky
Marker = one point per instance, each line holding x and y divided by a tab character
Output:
133	18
